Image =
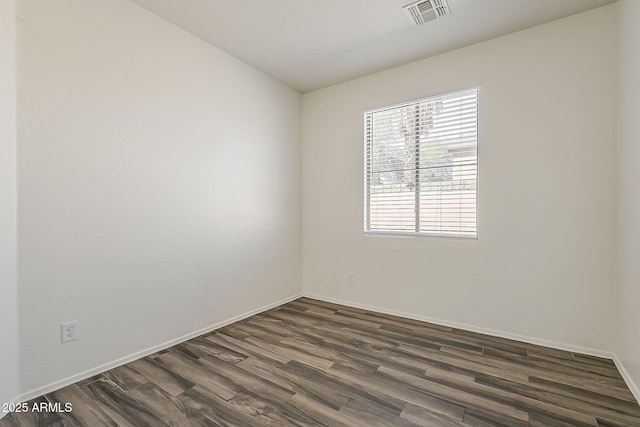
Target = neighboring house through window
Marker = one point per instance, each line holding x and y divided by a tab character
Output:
421	167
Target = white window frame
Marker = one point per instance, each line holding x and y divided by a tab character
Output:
468	189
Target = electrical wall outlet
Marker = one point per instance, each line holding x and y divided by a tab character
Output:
69	331
351	278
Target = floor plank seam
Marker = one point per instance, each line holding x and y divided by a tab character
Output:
309	362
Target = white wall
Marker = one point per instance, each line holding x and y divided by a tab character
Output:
150	205
629	191
543	266
159	185
8	287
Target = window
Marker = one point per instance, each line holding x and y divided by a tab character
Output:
421	167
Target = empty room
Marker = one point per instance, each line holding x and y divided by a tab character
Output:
319	213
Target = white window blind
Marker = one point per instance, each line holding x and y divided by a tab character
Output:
421	166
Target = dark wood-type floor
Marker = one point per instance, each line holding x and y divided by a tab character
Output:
313	363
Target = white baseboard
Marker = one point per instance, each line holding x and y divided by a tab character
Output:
130	358
627	378
114	364
9	402
471	328
633	387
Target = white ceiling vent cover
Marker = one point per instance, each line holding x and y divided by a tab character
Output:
423	11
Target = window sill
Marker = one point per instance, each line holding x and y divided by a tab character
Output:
400	234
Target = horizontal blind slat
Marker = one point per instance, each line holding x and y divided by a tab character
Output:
433	141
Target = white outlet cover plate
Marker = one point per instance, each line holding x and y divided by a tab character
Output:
69	331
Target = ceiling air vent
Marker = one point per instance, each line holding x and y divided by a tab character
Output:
423	11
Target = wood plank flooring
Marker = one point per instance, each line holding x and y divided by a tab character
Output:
312	363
